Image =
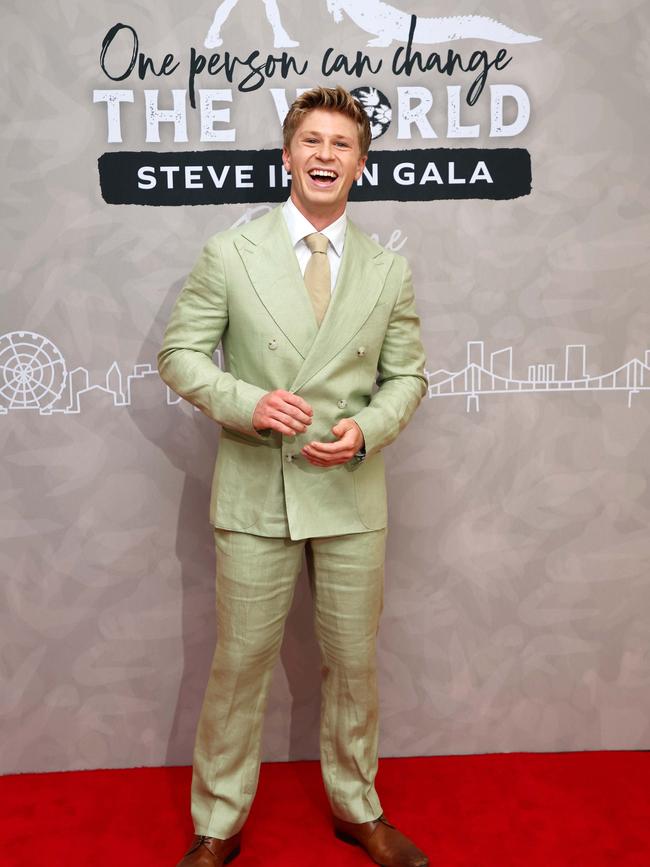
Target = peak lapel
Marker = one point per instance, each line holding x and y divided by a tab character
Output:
271	263
361	278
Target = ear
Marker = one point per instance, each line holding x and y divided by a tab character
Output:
360	167
285	159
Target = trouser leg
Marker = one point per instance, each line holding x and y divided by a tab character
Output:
347	577
256	577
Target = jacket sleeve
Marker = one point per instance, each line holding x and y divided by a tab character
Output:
198	320
401	379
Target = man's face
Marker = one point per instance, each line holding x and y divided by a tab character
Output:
324	160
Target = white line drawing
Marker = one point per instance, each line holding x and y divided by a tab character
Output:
387	24
34	377
118	389
32	371
477	379
251	214
281	38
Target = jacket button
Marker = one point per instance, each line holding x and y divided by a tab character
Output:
361	350
273	344
289	458
342	403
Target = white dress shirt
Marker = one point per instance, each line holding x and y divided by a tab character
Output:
299	226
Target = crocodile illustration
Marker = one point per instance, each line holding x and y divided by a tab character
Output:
387	24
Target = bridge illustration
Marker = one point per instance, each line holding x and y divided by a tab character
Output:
481	376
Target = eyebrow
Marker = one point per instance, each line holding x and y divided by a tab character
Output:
340	136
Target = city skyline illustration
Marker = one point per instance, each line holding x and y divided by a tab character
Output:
34	376
479	377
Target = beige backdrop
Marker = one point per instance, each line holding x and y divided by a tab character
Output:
519	552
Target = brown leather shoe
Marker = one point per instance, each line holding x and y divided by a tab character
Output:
382	841
211	851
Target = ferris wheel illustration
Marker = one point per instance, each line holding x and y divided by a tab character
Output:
32	371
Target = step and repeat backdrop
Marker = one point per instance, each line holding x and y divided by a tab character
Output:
509	164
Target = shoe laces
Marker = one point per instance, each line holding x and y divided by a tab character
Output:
385	821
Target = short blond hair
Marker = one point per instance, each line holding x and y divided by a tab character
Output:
331	99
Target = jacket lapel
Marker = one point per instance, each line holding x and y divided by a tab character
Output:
271	263
361	278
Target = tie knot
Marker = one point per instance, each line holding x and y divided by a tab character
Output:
317	242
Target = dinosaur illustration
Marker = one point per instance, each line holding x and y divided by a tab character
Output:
388	24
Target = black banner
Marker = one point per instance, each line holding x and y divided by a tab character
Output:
220	177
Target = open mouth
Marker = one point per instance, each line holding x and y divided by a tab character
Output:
323	177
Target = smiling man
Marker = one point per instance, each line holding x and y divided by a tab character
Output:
324	368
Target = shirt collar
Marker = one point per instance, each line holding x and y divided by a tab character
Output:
299	226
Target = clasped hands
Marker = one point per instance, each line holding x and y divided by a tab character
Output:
289	414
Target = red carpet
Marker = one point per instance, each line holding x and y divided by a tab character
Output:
578	809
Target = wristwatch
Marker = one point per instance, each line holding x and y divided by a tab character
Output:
361	454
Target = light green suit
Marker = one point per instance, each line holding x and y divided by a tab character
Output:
270	506
247	291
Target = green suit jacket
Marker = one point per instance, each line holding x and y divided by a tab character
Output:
365	362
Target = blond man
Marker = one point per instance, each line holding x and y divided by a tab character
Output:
324	368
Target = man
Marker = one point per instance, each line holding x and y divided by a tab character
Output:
311	313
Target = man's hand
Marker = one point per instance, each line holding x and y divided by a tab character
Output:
350	440
282	411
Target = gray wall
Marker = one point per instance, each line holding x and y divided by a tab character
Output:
517	597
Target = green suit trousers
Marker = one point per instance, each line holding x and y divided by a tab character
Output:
256	577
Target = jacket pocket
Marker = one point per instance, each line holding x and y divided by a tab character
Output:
370	492
241	481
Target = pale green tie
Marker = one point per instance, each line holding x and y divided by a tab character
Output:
317	274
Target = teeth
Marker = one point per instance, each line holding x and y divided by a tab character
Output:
322	173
